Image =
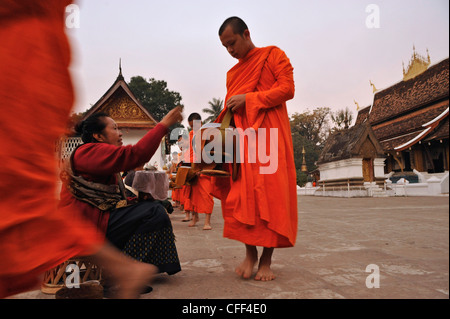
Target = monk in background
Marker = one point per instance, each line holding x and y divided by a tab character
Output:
201	199
260	206
186	190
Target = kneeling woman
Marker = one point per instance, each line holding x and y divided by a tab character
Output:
92	178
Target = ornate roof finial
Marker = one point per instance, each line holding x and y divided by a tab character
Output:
417	65
374	89
120	76
357	105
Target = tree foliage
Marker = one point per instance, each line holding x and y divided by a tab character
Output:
342	118
73	120
312	125
154	95
157	99
309	131
214	109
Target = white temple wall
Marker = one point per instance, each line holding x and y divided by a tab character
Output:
378	167
348	169
343	169
132	136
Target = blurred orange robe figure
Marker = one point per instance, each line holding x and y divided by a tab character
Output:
36	95
261	209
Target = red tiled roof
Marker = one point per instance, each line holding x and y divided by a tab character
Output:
406	96
427	129
398	113
362	115
440	132
408	123
346	144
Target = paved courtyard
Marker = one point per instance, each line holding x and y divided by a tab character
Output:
406	239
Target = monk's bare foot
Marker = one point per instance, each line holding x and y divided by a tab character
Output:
245	269
187	217
194	220
264	272
207	227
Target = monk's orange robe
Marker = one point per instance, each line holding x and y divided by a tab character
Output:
202	200
187	191
176	194
176	191
181	195
261	209
36	97
188	157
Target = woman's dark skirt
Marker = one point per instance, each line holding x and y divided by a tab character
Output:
144	232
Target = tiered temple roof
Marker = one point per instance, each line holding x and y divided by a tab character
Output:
412	110
357	141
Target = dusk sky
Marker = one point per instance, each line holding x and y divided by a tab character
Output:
335	47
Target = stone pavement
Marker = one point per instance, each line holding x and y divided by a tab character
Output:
405	238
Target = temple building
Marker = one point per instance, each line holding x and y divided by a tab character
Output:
352	160
410	119
406	134
131	117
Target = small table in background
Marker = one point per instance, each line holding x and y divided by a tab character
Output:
155	183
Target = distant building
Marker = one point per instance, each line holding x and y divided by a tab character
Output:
403	134
131	117
353	156
410	118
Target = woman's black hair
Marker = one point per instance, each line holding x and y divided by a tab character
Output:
94	124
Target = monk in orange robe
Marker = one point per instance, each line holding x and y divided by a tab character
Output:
202	201
175	191
37	95
200	197
186	190
180	191
260	206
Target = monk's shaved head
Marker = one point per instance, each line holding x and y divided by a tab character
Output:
237	24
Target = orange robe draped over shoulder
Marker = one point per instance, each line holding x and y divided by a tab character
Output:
260	209
36	97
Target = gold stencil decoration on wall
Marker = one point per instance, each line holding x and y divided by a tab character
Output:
124	109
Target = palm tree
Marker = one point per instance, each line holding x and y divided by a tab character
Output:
215	107
342	118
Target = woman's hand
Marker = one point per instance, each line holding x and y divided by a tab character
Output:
173	117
